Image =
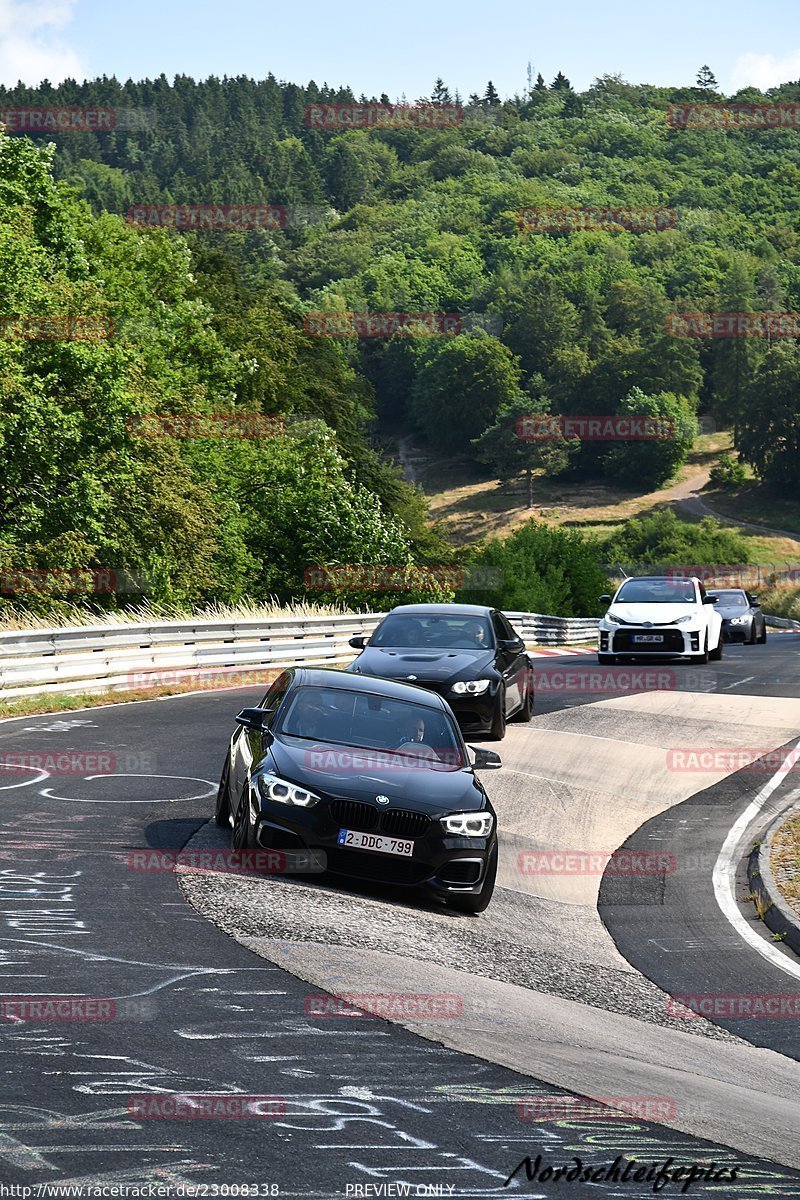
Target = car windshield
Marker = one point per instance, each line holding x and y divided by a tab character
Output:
731	599
431	631
370	722
655	591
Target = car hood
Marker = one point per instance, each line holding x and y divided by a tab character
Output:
659	614
732	610
361	774
426	666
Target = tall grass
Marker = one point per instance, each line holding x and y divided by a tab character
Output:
12	618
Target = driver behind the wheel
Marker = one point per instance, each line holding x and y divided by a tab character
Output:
476	632
308	719
414	735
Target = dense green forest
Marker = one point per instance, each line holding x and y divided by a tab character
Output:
397	220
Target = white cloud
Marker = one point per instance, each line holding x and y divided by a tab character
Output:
765	70
31	48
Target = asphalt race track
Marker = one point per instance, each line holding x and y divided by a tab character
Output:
200	981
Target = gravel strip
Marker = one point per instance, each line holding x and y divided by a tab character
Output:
288	909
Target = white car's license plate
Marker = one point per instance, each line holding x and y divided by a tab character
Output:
374	841
648	637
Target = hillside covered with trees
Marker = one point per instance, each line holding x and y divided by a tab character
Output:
387	220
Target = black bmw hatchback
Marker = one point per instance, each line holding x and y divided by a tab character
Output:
468	654
373	774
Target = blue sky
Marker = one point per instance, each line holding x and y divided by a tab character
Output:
400	48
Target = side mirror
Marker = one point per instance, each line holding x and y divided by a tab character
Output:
485	760
754	600
252	718
710	599
359	642
513	645
605	599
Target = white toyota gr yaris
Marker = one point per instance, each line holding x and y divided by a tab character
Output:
657	616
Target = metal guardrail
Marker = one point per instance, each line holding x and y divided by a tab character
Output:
781	622
126	656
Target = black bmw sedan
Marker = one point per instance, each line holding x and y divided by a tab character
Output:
466	653
373	774
742	618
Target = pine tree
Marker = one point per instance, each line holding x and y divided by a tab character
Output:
540	85
491	97
441	93
561	83
706	79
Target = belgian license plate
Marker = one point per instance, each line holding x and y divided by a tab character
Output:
648	637
374	841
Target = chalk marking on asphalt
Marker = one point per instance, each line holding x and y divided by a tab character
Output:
724	872
738	683
48	792
596	737
97	956
9	787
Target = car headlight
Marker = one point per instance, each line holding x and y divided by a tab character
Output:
468	824
272	787
470	687
684	620
739	620
615	620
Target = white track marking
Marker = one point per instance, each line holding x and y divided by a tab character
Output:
48	792
9	787
738	683
725	868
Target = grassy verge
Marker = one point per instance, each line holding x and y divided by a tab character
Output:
67	615
58	702
785	862
781	602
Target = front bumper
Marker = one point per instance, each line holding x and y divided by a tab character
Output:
736	633
676	642
441	863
